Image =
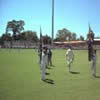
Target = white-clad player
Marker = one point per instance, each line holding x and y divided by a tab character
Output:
69	57
44	62
94	59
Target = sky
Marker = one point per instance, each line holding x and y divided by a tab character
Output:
71	14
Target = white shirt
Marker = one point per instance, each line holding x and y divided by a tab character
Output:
69	55
94	58
44	60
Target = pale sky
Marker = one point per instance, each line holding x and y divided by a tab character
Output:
71	14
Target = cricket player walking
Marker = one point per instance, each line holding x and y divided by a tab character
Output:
69	57
94	59
44	62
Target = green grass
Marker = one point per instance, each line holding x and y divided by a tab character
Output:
20	77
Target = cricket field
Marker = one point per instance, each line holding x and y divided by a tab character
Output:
20	76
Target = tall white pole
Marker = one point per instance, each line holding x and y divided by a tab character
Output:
52	21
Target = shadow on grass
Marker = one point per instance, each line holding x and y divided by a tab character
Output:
74	72
49	81
48	67
97	76
47	73
53	65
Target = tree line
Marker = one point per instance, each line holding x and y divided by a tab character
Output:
18	34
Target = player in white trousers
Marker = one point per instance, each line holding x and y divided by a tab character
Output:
44	63
94	59
69	57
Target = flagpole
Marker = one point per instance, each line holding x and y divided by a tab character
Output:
52	21
41	39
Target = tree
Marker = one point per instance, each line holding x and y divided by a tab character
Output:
29	36
15	26
74	36
6	37
63	34
81	38
1	41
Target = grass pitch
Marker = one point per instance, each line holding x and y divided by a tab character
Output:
20	77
